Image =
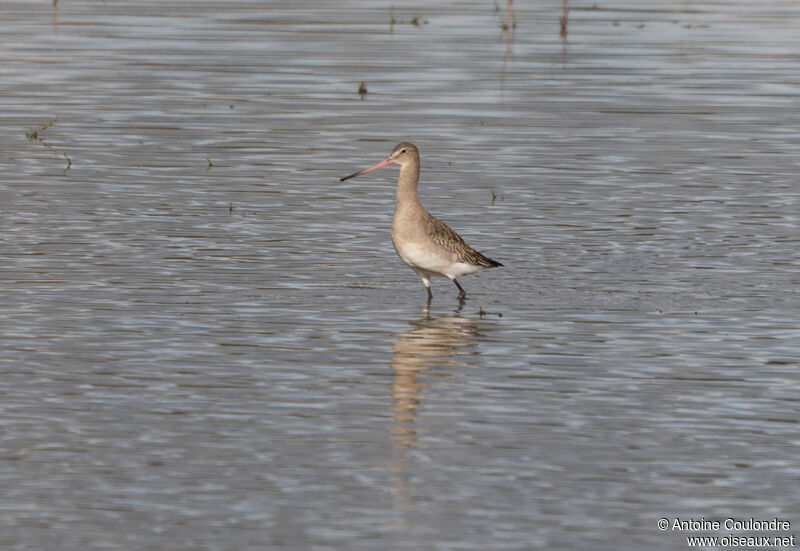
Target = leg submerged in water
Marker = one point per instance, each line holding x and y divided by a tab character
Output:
462	294
426	281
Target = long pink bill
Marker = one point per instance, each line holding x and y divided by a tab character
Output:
387	161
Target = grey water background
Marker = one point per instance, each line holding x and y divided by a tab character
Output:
208	341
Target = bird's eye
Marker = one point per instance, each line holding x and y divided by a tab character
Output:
403	151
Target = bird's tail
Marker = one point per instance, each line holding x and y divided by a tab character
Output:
488	262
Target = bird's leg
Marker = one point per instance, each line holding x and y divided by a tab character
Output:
427	283
462	294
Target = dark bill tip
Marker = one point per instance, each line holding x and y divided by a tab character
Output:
376	166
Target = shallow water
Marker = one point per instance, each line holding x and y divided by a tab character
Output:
209	343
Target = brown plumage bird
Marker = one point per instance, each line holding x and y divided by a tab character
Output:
426	244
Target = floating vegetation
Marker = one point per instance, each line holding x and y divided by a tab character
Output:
496	196
362	89
508	22
240	212
417	20
33	135
483	313
210	164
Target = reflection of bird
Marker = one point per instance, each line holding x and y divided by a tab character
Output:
432	343
426	244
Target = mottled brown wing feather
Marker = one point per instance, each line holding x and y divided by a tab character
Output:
444	236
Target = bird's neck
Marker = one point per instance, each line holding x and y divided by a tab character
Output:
407	185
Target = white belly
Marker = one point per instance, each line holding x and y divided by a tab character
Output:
433	260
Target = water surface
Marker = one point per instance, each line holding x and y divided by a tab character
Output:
209	343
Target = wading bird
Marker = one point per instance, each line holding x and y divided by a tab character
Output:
426	244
